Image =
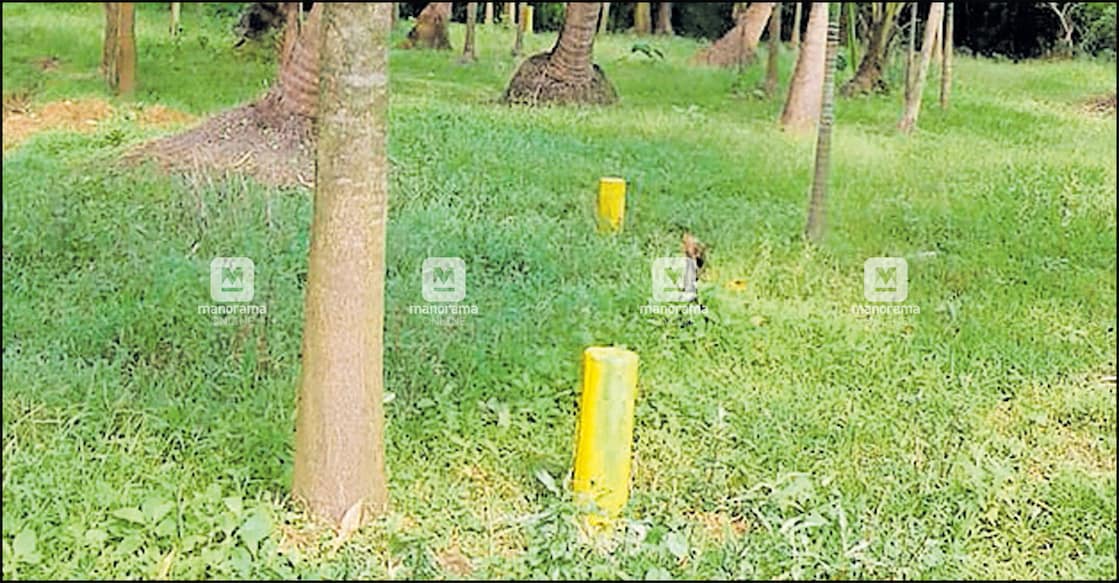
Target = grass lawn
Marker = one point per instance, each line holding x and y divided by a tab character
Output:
786	436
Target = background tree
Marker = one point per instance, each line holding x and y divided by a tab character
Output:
510	17
339	441
773	53
802	106
664	18
738	45
868	77
814	228
566	74
604	20
910	51
430	30
468	55
176	8
519	37
488	15
946	64
797	7
118	55
642	18
913	102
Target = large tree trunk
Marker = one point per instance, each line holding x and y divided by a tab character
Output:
604	21
946	65
664	18
118	55
567	73
339	441
774	51
868	77
814	228
738	45
468	46
913	104
430	30
802	106
642	18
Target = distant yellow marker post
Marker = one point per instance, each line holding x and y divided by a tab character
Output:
611	206
604	437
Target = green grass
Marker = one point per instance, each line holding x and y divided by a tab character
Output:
786	437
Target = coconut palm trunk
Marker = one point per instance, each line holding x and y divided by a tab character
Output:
487	16
339	443
642	18
796	25
946	65
913	103
430	30
868	77
802	106
773	52
118	55
468	55
738	45
664	18
604	20
566	74
911	50
814	227
519	38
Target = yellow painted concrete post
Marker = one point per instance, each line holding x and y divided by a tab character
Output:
604	436
611	207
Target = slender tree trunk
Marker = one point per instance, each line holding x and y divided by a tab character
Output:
488	15
774	52
796	25
910	52
642	18
814	228
430	30
946	65
119	52
468	55
868	77
510	17
519	40
604	20
802	106
664	18
175	10
913	104
339	441
738	45
566	74
936	52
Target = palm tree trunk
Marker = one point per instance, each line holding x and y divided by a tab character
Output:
339	436
604	20
430	30
468	46
519	39
796	25
119	52
642	18
510	17
802	106
774	50
737	46
946	65
913	104
814	228
567	73
488	14
176	8
910	52
664	18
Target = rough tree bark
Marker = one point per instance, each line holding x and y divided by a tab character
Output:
738	45
339	441
604	20
946	65
913	103
814	228
468	55
118	55
868	77
774	51
567	73
802	106
642	18
430	30
664	18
